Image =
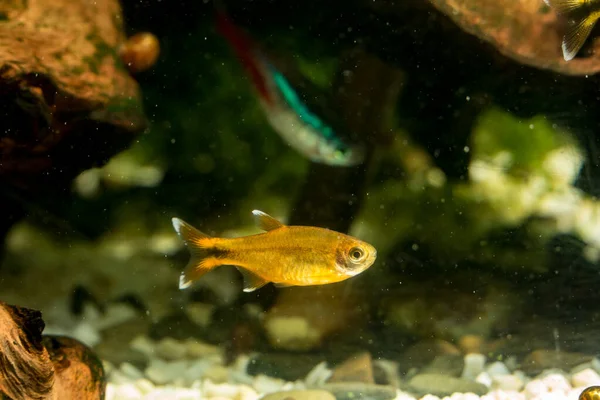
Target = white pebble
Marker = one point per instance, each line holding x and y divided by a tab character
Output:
497	369
587	377
508	382
474	364
535	388
484	378
503	395
557	383
430	397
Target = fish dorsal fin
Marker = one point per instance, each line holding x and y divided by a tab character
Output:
265	221
251	280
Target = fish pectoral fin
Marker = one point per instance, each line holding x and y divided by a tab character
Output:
578	30
251	280
265	222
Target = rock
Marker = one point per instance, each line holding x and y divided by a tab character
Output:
360	391
300	395
540	360
474	365
357	368
587	377
442	385
446	364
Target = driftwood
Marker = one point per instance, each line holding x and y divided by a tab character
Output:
67	100
41	368
527	31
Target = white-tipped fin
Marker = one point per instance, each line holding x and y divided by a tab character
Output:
578	31
200	253
251	280
265	222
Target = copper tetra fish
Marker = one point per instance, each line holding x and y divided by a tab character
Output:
284	255
581	17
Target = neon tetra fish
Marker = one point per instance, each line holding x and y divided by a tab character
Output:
301	114
284	255
581	17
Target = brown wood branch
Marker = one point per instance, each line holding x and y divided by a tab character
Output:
39	367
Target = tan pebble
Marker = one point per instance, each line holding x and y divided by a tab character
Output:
140	52
470	344
357	368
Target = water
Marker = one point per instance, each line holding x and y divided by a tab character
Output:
478	190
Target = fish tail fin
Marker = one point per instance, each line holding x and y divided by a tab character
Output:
580	21
201	260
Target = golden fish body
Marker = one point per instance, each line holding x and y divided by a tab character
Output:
581	17
284	255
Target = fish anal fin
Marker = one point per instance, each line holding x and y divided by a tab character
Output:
251	280
282	285
199	246
265	222
578	30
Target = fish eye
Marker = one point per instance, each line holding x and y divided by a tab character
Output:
356	254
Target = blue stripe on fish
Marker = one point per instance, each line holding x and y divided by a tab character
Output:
292	99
